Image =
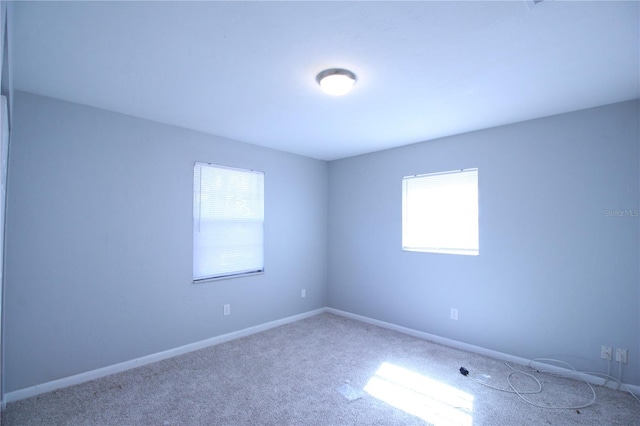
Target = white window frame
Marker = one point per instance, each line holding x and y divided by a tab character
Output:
228	223
440	212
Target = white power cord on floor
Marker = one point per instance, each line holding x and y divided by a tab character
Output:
581	374
619	372
571	367
512	390
608	377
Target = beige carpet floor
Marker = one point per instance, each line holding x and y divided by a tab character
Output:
323	370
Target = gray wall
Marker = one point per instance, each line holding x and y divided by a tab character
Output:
99	240
556	276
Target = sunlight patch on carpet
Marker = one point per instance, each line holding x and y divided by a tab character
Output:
420	396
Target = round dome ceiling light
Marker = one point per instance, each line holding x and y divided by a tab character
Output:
336	81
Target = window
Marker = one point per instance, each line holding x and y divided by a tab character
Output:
228	218
440	212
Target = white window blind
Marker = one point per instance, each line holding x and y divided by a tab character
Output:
228	218
440	212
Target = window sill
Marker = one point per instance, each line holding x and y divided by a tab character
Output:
227	277
444	251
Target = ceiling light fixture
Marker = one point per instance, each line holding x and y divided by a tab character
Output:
336	81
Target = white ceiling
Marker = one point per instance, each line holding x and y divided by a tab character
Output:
246	70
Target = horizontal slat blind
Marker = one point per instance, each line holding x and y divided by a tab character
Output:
228	219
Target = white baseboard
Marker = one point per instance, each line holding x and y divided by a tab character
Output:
138	362
484	351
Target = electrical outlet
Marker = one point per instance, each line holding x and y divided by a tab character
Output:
227	310
454	314
303	293
622	355
606	353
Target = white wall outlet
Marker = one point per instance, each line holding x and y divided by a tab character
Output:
227	309
454	314
303	293
622	355
606	353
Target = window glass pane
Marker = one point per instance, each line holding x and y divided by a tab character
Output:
440	212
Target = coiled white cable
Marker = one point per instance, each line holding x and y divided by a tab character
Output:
571	367
581	374
522	393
